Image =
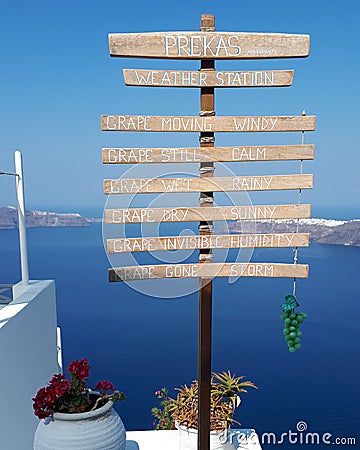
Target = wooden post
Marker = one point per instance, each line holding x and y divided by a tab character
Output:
207	139
207	46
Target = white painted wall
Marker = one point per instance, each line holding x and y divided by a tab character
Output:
28	359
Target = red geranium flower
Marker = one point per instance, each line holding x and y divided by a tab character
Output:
104	386
80	369
72	396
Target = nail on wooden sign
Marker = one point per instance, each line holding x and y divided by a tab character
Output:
209	45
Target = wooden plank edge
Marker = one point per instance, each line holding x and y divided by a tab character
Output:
208	270
240	240
196	214
200	79
166	45
207	184
185	155
196	124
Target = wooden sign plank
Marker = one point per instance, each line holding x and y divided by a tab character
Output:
205	184
221	154
198	214
209	45
207	123
208	270
207	78
166	243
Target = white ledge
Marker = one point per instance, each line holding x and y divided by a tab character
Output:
169	440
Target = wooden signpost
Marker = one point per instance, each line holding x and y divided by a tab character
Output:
151	244
218	184
207	46
208	270
220	154
178	78
196	214
207	123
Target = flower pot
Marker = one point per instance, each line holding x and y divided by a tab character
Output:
189	436
101	429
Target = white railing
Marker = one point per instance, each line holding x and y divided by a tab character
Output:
30	340
20	198
4	299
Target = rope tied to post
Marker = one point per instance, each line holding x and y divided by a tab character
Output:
207	113
206	228
207	139
207	169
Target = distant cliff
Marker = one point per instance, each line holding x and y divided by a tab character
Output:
9	219
322	231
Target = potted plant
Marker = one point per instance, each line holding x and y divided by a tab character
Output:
182	412
75	417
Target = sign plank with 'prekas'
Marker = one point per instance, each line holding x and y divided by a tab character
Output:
221	154
207	78
199	214
166	243
204	184
209	45
208	270
207	124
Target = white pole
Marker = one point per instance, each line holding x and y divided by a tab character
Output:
59	349
21	218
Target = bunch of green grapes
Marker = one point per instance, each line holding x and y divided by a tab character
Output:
292	321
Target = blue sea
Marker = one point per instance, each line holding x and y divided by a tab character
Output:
142	343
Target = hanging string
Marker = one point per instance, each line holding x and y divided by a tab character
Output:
9	173
299	202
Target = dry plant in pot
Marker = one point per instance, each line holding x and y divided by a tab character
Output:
182	412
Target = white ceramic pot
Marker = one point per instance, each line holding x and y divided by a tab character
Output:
189	436
101	429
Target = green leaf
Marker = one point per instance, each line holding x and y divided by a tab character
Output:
290	303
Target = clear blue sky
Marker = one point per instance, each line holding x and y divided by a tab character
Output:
57	78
